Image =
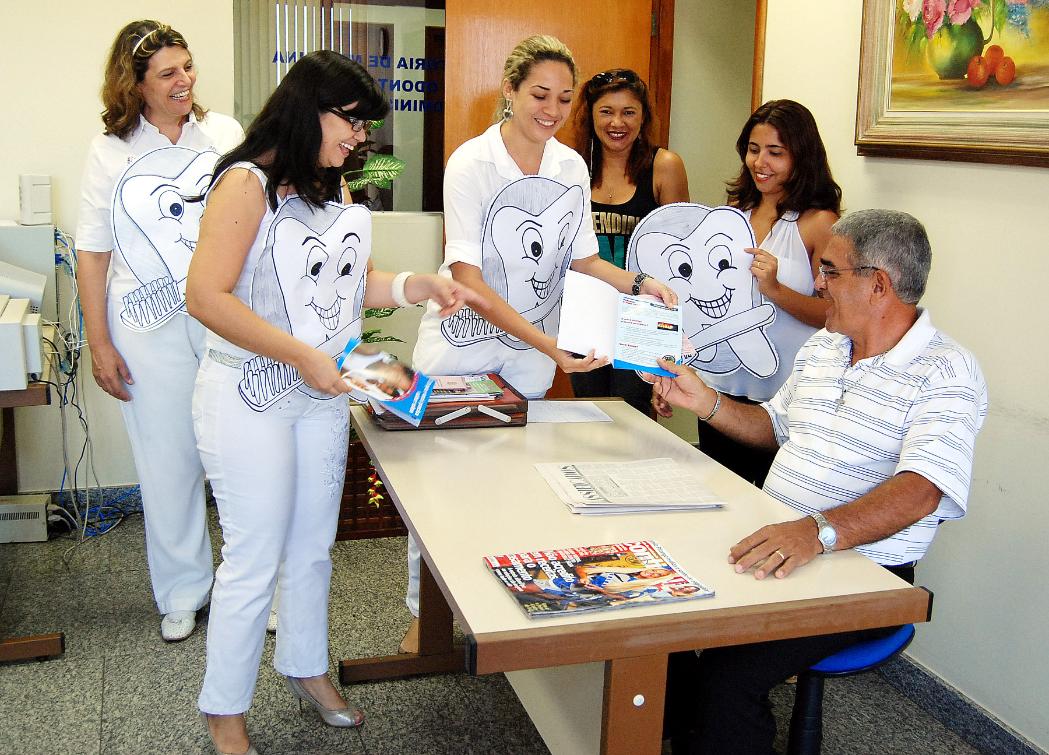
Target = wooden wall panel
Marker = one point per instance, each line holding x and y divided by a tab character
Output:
481	33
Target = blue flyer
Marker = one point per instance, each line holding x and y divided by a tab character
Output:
378	377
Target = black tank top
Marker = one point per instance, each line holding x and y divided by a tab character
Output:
613	223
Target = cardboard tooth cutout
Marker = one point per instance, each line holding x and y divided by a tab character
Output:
309	282
526	248
698	251
155	228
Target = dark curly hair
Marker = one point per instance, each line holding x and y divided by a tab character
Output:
811	185
285	137
586	141
126	66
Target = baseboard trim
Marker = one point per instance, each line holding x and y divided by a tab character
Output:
953	709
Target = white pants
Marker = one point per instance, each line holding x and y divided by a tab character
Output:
527	370
163	364
278	476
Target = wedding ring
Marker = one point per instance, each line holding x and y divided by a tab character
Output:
779	553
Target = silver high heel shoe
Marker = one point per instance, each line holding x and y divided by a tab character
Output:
343	717
251	748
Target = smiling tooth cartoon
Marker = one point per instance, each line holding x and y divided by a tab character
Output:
699	252
309	282
155	228
526	249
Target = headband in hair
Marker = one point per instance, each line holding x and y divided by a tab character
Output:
134	50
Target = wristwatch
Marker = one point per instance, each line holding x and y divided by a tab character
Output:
638	281
826	533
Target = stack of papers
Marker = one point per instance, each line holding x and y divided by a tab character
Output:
616	487
465	388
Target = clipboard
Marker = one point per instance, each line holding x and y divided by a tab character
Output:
508	410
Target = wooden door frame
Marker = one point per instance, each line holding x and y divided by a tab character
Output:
757	81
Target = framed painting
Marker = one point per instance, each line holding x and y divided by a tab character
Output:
955	80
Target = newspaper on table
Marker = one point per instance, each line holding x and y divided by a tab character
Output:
595	577
617	487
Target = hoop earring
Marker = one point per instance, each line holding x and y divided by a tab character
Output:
508	111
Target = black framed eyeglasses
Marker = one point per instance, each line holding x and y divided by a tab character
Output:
830	273
356	124
615	76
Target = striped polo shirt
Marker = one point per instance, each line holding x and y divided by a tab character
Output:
843	429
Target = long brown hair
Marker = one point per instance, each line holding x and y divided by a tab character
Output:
587	143
811	185
126	66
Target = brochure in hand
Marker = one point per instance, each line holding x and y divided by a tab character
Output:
634	332
595	577
377	377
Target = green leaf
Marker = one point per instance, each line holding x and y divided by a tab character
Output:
379	170
379	312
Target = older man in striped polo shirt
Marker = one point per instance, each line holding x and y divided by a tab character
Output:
875	431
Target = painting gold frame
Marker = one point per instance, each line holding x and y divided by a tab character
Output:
1019	137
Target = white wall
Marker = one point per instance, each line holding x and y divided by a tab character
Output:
988	227
713	60
53	56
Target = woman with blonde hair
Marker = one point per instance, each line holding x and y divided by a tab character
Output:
134	236
517	217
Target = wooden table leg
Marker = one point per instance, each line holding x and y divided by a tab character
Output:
632	715
39	646
437	653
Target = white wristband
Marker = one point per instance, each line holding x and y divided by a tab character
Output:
397	289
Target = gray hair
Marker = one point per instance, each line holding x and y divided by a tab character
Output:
893	242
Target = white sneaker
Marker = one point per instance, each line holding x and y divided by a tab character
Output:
178	625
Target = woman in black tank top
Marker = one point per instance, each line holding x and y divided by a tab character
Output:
629	177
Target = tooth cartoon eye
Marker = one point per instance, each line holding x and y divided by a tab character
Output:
171	204
562	236
315	261
680	264
720	258
347	261
532	241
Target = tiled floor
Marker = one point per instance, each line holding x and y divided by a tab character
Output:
120	690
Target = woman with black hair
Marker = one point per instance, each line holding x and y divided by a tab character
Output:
786	190
629	177
279	278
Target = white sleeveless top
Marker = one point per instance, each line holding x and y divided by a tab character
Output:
786	332
305	273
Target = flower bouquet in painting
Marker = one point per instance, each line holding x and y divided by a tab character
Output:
955	35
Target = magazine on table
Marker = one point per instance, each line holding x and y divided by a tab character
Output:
633	332
627	487
595	577
464	388
377	377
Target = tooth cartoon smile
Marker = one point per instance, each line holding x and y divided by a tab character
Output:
716	308
329	317
191	244
541	288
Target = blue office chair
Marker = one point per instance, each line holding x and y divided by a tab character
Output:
806	721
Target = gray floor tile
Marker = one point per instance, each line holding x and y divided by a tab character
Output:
149	704
864	712
77	604
51	708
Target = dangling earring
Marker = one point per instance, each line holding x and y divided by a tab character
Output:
508	111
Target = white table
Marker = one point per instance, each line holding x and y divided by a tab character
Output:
469	493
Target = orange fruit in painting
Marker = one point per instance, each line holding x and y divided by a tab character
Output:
977	73
1006	72
994	55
